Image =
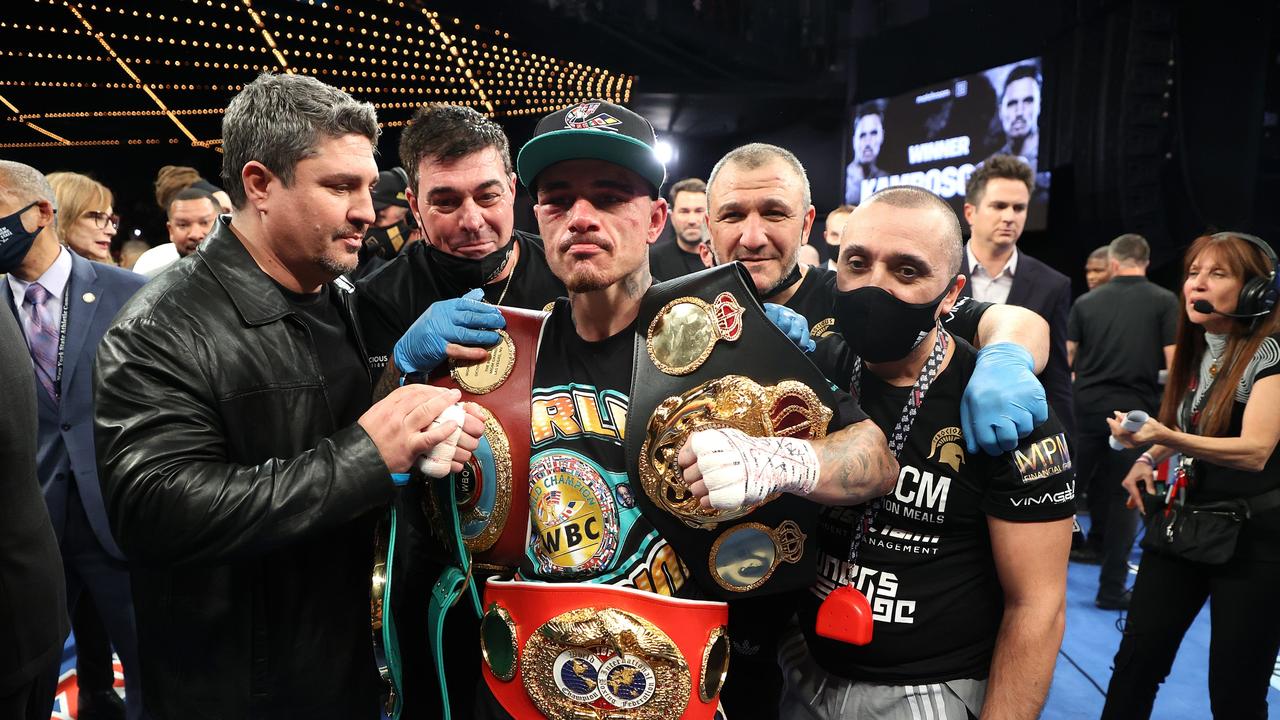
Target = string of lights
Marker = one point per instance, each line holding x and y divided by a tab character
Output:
396	54
61	140
266	35
69	84
129	71
23	117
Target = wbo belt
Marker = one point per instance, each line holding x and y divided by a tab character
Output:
591	651
474	515
493	518
706	356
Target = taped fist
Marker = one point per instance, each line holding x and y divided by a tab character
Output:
727	469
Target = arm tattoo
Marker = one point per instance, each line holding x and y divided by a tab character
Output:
857	463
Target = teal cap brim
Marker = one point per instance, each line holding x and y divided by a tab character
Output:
550	148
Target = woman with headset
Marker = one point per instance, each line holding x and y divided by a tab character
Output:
1221	413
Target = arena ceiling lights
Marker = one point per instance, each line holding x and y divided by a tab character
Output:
133	72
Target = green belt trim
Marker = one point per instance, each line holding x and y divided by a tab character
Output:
448	589
453	582
390	638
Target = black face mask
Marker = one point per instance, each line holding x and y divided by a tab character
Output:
386	242
826	253
471	273
15	240
879	327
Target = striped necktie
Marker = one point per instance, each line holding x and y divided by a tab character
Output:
43	338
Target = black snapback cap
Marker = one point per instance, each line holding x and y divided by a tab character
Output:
594	130
390	189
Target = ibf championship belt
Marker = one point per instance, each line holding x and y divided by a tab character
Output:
707	357
592	651
491	491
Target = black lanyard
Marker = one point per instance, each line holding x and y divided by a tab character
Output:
901	430
62	340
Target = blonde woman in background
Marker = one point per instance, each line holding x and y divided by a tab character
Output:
86	222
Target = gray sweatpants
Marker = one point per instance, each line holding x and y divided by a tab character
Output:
811	693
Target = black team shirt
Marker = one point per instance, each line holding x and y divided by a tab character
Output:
585	526
347	382
926	563
1122	327
391	299
668	261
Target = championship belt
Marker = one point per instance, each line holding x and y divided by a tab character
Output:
586	650
707	357
386	648
474	515
491	490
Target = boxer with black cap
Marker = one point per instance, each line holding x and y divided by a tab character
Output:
596	182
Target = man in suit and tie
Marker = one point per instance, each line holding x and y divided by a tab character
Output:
35	618
995	206
64	304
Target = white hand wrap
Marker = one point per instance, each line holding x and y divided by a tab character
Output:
438	463
742	470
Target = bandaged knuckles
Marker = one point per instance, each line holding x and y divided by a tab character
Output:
708	357
739	469
439	462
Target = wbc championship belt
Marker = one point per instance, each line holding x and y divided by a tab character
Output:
707	357
587	650
492	515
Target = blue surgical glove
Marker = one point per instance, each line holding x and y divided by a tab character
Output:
465	321
1004	401
792	324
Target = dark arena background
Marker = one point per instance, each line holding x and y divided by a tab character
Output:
1156	117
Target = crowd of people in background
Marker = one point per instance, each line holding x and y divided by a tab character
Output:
216	421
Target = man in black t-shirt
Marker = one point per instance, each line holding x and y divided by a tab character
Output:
759	212
592	171
670	260
462	189
964	564
1119	335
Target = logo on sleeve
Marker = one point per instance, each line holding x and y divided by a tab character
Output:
946	449
1039	459
1056	497
824	327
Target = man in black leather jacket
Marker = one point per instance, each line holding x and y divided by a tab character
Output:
241	463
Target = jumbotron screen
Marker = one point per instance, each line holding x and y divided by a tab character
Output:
935	136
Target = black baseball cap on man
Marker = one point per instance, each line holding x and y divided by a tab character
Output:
390	189
592	130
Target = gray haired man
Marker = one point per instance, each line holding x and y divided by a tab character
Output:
241	463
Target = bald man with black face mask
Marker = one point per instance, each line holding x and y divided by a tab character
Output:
964	563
